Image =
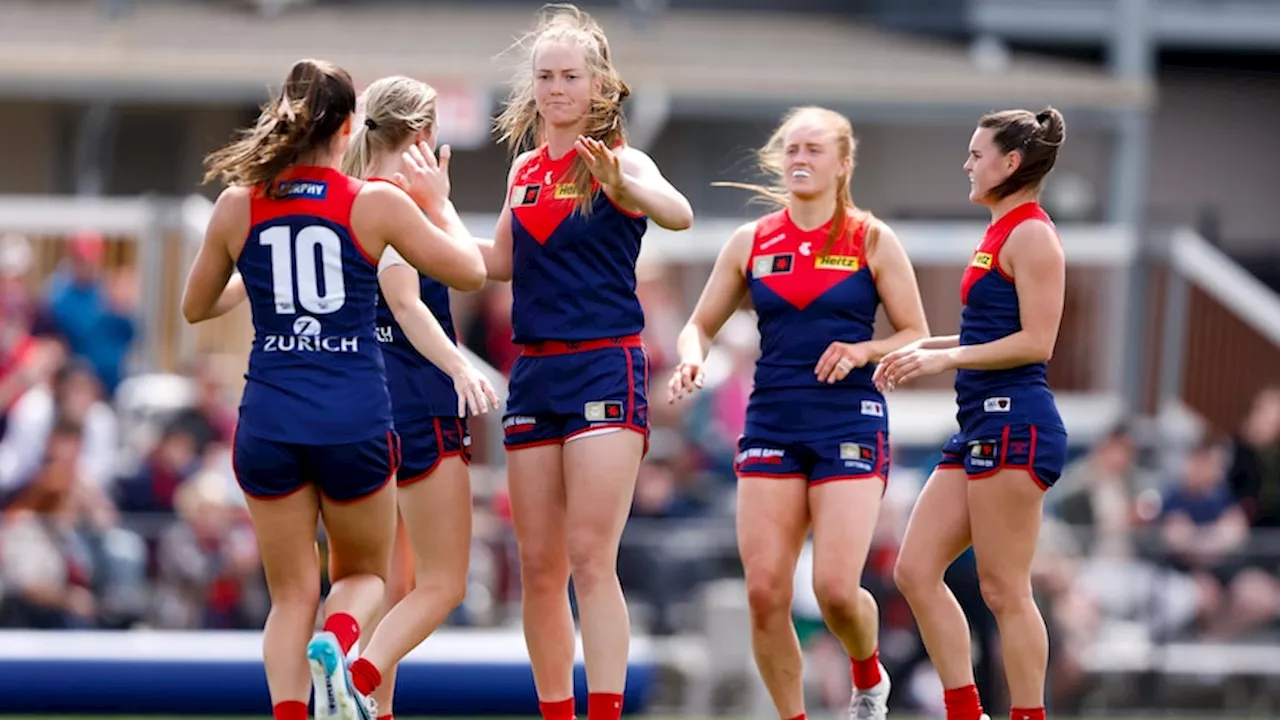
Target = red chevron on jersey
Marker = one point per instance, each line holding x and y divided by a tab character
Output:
542	196
791	262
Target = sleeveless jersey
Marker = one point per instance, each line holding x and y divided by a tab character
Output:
316	374
573	276
418	388
806	299
991	312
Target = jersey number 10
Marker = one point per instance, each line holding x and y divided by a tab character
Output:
288	250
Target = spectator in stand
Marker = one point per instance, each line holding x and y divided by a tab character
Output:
28	356
1255	467
75	395
45	566
1205	532
94	313
151	490
209	572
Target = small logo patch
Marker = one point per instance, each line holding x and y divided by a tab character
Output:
602	411
872	408
566	191
982	260
779	264
523	195
997	405
984	453
854	451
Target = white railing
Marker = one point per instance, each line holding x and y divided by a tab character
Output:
918	417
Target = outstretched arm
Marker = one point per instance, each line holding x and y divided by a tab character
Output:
206	293
721	296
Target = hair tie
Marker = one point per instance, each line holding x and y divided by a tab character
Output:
369	123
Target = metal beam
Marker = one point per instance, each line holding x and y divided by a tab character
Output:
870	112
1132	57
1232	24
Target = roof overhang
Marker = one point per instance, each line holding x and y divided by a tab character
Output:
706	63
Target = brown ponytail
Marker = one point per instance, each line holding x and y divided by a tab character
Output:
314	103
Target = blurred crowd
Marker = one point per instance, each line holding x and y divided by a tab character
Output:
118	505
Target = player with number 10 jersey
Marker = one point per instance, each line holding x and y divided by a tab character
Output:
316	371
315	439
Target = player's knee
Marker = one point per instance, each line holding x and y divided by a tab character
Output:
1005	592
592	561
769	596
839	598
543	571
300	599
447	583
398	586
916	576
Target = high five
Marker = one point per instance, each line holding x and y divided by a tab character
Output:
577	418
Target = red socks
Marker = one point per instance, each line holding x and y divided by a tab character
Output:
604	706
1026	714
866	672
963	703
385	717
345	628
364	676
600	706
557	710
798	717
290	710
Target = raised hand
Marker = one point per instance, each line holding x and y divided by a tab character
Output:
425	178
604	163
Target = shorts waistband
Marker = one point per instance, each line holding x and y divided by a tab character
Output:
565	347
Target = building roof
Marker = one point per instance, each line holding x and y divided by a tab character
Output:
193	51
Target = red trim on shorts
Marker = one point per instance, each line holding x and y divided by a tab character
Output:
842	478
1031	452
1029	467
532	444
270	498
646	375
621	426
441	454
881	460
764	476
566	347
631	387
441	458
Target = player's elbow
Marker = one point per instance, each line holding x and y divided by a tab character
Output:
500	271
473	277
191	313
679	218
1041	350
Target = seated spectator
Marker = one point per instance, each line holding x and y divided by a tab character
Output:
1255	466
76	396
209	573
44	563
1205	532
151	490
